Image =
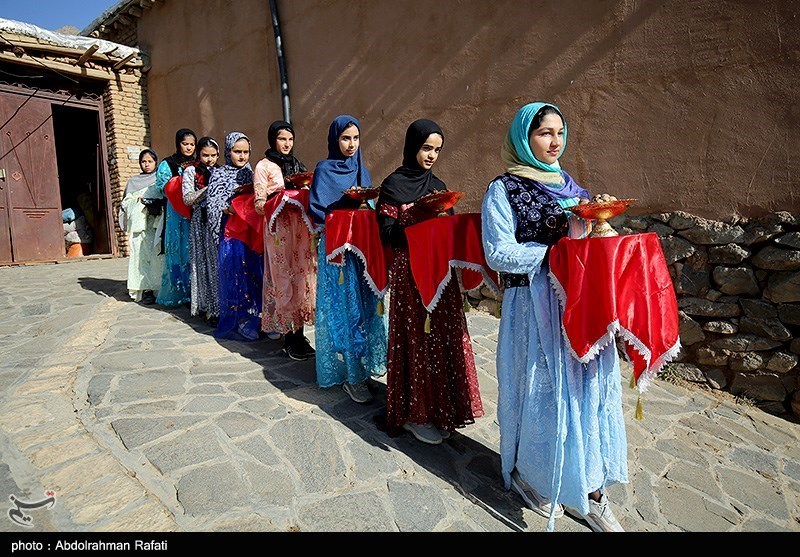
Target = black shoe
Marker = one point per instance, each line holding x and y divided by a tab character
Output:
304	347
148	297
292	351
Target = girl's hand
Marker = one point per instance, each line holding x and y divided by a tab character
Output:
406	206
228	210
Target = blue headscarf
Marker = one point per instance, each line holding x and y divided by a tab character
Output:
520	160
336	173
222	183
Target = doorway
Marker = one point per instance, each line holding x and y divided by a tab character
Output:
82	187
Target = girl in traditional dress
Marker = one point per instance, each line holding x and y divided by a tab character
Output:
175	281
202	251
350	335
145	263
562	433
240	269
431	383
290	265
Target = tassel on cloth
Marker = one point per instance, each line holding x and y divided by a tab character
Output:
380	307
639	410
341	275
633	381
427	327
467	305
277	242
497	309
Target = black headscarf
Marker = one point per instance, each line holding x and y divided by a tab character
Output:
409	182
289	164
178	159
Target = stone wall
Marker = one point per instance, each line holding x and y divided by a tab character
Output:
738	290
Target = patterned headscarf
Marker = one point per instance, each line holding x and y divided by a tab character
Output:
336	173
222	183
520	161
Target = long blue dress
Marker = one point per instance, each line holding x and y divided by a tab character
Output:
175	279
561	422
350	336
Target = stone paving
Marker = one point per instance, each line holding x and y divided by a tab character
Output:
140	421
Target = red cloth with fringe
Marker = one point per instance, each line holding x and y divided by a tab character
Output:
436	245
278	202
618	284
246	224
356	230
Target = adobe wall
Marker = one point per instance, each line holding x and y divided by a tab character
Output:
685	105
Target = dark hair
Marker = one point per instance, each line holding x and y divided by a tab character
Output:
544	111
148	152
205	142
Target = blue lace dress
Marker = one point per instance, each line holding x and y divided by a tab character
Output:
561	422
349	335
175	279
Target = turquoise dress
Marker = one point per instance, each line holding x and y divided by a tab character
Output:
349	335
175	279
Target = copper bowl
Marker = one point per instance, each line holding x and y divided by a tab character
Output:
362	194
439	201
601	210
301	179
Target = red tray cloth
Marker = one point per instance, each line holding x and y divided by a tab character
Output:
173	191
278	202
617	284
246	224
436	245
356	230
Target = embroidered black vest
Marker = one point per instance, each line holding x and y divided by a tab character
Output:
540	218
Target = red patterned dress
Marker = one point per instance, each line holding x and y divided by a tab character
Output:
431	376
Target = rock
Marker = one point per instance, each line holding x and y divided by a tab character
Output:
789	240
716	378
745	361
777	259
795	346
708	356
782	362
783	287
789	314
760	231
690	330
681	220
744	343
758	308
692	281
688	372
795	403
729	254
661	230
769	328
766	387
676	249
705	308
713	295
638	223
736	280
721	327
712	233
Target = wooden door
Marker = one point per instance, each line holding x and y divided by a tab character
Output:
30	189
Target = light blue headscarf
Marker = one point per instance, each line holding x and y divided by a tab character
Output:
520	161
520	136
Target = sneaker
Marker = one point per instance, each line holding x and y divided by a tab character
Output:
358	392
533	500
148	297
600	517
444	433
427	433
305	347
273	335
294	353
